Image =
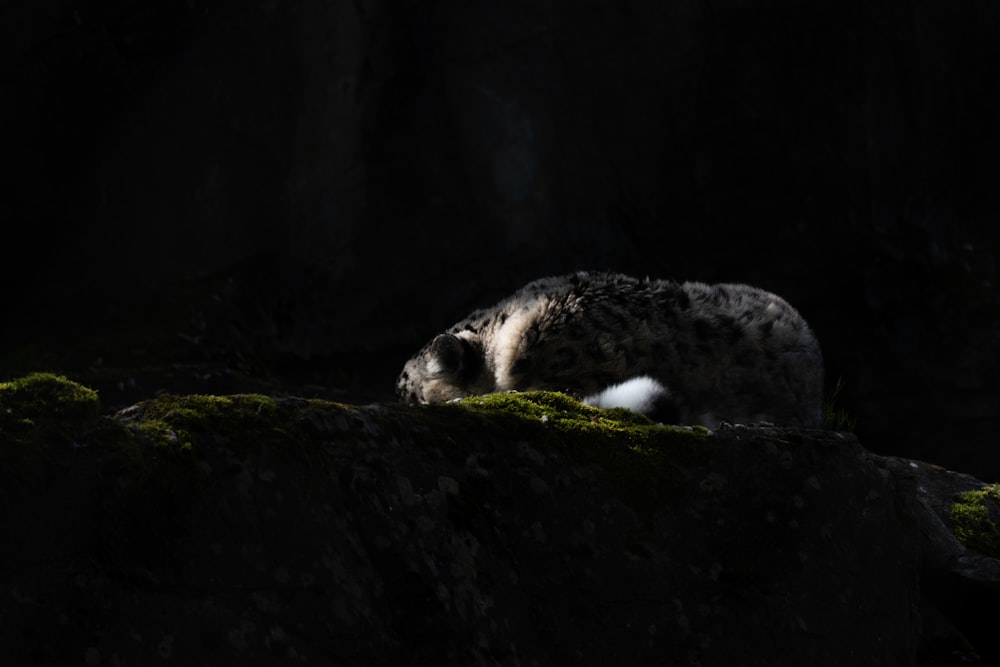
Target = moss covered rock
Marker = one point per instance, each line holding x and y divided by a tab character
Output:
972	517
44	409
507	529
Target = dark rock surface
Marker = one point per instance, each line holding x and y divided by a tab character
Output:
244	530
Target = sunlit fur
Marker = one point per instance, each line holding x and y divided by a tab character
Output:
639	394
718	352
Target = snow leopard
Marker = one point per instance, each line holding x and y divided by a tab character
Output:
684	352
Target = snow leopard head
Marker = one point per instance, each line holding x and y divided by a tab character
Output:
447	368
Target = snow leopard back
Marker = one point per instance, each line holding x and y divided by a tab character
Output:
718	352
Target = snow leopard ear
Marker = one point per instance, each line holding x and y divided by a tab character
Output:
447	356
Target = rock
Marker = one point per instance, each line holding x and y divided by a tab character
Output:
510	529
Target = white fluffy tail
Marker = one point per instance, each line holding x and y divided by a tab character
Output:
640	394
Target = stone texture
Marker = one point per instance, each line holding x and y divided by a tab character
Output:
295	531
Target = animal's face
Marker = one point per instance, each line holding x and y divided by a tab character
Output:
447	368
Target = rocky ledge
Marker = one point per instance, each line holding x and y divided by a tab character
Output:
514	529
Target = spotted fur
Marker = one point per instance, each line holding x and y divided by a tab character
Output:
717	352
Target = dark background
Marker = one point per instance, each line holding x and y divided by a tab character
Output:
293	196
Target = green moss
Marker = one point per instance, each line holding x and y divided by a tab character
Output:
46	395
972	523
38	413
178	428
646	461
173	423
165	436
42	414
120	448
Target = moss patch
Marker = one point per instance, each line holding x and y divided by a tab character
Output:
646	461
972	523
40	412
179	428
172	423
45	395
